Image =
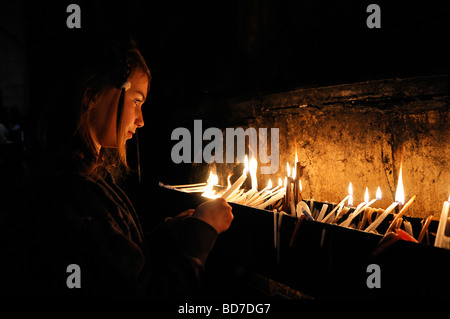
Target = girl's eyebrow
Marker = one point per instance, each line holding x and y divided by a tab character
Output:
143	96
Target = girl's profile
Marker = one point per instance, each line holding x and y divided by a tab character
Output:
74	212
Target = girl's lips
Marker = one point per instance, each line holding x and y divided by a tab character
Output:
130	134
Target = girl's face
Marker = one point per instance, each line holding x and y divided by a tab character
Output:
103	115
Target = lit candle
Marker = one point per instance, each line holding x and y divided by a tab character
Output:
291	188
391	227
212	180
273	199
359	209
378	195
350	197
322	212
228	181
340	205
253	168
399	200
440	234
258	198
237	183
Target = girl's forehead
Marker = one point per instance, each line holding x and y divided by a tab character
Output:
138	79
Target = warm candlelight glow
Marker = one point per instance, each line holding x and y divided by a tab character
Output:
228	181
288	170
366	196
400	193
442	240
378	196
300	184
269	184
280	182
246	165
237	184
253	168
213	179
350	192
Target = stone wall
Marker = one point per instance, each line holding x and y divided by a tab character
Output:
356	133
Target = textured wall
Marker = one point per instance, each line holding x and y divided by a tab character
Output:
355	133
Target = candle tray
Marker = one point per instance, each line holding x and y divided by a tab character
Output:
316	259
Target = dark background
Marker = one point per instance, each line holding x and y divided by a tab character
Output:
201	54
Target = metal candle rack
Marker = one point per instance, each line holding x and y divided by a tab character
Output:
318	259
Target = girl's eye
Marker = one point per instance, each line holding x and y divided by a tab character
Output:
137	101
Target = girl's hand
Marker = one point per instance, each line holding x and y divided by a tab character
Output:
216	213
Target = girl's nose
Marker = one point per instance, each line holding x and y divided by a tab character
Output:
139	119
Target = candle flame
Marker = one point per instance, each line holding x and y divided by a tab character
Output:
228	181
378	193
253	167
280	182
269	184
300	184
366	196
448	198
294	171
400	193
246	165
213	179
288	170
350	193
296	157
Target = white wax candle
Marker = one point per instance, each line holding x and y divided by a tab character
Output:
378	221
322	212
357	211
292	200
440	240
273	199
341	204
235	186
302	208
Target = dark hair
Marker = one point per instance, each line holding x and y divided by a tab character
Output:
64	122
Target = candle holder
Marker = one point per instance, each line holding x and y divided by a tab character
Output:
317	259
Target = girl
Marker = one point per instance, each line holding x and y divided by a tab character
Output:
75	213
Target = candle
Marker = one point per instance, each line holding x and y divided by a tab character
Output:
300	188
303	208
189	185
273	199
359	209
350	193
322	212
440	234
424	228
253	168
399	200
258	198
213	179
378	221
287	185
391	227
340	205
400	193
237	183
